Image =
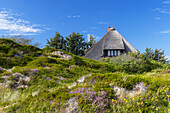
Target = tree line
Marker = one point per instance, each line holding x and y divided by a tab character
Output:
74	43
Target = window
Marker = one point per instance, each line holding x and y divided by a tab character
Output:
111	52
118	53
108	52
114	52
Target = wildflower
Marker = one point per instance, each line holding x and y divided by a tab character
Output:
133	98
35	70
140	111
141	102
93	92
103	93
113	100
152	98
157	109
51	102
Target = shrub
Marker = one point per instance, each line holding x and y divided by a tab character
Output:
131	64
99	101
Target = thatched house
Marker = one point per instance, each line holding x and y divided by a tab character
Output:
112	44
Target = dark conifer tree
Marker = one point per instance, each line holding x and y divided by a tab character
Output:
75	43
57	41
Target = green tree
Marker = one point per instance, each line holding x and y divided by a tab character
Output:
159	56
156	55
149	54
76	44
57	41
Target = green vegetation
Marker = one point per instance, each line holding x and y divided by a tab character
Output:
40	81
75	43
139	62
13	54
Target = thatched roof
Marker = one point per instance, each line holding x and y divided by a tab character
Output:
111	40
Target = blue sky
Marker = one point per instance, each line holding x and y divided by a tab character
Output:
144	23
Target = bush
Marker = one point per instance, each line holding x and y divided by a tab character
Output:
132	64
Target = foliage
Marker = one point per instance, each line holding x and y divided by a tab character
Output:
100	102
13	54
150	55
155	99
74	43
138	62
152	102
50	77
57	42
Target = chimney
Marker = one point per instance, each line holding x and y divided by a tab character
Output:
109	28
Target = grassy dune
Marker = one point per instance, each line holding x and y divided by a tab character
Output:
35	80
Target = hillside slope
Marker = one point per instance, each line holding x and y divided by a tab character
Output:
50	80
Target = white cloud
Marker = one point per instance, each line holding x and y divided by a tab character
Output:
84	31
156	9
164	11
157	18
103	22
12	24
20	34
166	2
93	27
74	16
165	32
